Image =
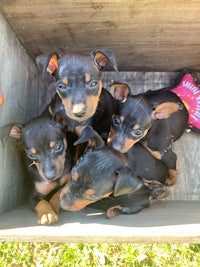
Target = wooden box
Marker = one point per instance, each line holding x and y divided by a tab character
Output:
153	40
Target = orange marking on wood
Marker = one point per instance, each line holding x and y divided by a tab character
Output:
1	99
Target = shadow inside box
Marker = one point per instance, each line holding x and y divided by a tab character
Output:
161	213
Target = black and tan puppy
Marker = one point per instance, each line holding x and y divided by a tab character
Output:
102	173
49	164
155	118
77	80
79	99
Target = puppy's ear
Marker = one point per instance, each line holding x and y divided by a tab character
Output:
126	182
102	57
89	135
10	130
120	91
47	64
16	131
165	109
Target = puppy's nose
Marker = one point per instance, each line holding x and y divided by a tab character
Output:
79	110
50	174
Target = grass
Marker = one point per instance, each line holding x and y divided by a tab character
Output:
27	254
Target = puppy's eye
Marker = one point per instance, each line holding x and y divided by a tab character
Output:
62	87
32	156
93	83
116	121
58	147
137	133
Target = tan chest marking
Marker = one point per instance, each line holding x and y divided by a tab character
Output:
45	187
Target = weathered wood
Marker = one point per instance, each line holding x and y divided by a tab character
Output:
19	82
146	35
164	222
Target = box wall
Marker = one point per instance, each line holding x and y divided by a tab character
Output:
19	83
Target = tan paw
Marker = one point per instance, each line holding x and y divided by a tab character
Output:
45	213
48	218
172	178
113	212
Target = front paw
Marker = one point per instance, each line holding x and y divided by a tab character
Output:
45	213
172	178
47	218
158	191
113	212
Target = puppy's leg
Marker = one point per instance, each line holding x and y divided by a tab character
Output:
132	209
55	201
170	160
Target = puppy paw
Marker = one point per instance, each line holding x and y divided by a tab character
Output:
158	191
113	212
45	213
172	178
48	218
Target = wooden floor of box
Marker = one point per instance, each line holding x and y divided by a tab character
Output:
164	222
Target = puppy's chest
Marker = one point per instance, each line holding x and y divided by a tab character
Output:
45	187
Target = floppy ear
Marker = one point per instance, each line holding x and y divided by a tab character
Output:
165	109
126	182
16	131
89	135
10	130
47	64
120	91
102	57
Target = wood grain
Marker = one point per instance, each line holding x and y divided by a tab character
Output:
146	35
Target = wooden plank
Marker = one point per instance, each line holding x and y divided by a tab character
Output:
146	35
19	83
164	222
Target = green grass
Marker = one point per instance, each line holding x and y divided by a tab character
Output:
81	255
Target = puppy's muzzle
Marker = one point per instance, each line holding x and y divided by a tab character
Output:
79	110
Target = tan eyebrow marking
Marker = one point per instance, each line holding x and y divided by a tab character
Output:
65	80
75	176
33	151
52	144
87	77
135	127
121	118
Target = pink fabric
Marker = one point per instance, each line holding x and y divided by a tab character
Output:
189	93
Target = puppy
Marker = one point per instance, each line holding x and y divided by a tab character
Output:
77	80
49	164
102	173
155	118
